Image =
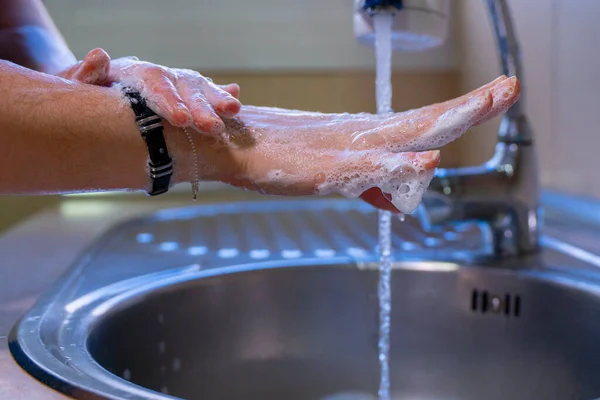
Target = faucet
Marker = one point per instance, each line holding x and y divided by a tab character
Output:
504	191
374	4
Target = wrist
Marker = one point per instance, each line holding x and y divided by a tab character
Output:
179	148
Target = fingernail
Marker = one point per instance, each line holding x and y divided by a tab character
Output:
186	116
230	109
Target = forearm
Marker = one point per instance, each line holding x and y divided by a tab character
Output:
28	37
62	137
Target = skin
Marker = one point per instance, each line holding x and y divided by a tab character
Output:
65	137
29	37
184	97
328	138
308	147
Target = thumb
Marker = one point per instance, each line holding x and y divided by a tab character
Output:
233	89
94	68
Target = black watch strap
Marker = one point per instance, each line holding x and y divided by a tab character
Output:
160	165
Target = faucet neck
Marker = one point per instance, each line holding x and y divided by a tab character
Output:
503	192
508	47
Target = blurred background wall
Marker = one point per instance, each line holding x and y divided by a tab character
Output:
559	45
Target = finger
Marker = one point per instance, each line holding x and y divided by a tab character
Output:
94	68
205	119
223	103
444	106
233	89
432	126
377	199
425	160
476	110
163	96
504	96
436	130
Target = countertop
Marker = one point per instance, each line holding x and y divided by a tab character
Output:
36	252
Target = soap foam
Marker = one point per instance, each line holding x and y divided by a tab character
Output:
402	132
450	125
307	153
399	175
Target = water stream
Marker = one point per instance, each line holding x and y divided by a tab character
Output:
383	84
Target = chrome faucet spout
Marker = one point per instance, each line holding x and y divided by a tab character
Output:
508	46
504	191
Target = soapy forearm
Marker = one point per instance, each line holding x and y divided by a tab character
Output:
291	152
60	136
28	37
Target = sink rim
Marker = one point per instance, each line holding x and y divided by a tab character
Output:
95	382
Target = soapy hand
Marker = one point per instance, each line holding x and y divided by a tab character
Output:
389	161
183	97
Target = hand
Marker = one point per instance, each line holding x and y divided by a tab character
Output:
183	97
295	153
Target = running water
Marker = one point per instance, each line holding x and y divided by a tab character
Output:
383	83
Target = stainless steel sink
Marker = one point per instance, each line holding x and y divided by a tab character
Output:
278	301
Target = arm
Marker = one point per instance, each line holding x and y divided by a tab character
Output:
60	136
28	37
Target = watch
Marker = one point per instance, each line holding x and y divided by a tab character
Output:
160	164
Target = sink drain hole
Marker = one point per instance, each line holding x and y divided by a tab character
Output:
485	302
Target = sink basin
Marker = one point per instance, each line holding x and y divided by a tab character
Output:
137	319
301	333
